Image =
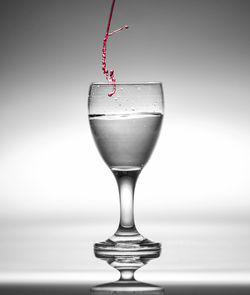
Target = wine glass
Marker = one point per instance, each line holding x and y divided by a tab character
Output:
125	128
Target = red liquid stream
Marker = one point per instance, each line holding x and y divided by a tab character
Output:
109	74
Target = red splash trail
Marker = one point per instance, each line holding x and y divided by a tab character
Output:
109	74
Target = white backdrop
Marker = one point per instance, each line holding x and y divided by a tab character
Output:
56	194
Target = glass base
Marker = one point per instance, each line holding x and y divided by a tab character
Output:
143	249
127	250
123	287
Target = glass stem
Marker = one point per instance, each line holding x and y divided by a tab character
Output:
126	180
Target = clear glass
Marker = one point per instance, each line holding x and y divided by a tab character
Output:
125	128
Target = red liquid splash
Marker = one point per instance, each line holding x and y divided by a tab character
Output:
109	74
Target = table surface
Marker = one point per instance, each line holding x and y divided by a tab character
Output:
85	289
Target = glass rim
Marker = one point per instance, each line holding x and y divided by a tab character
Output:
127	83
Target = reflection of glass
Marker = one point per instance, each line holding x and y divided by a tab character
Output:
125	128
120	288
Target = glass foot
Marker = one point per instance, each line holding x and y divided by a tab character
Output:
127	250
123	287
142	249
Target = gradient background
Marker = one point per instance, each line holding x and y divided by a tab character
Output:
57	196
